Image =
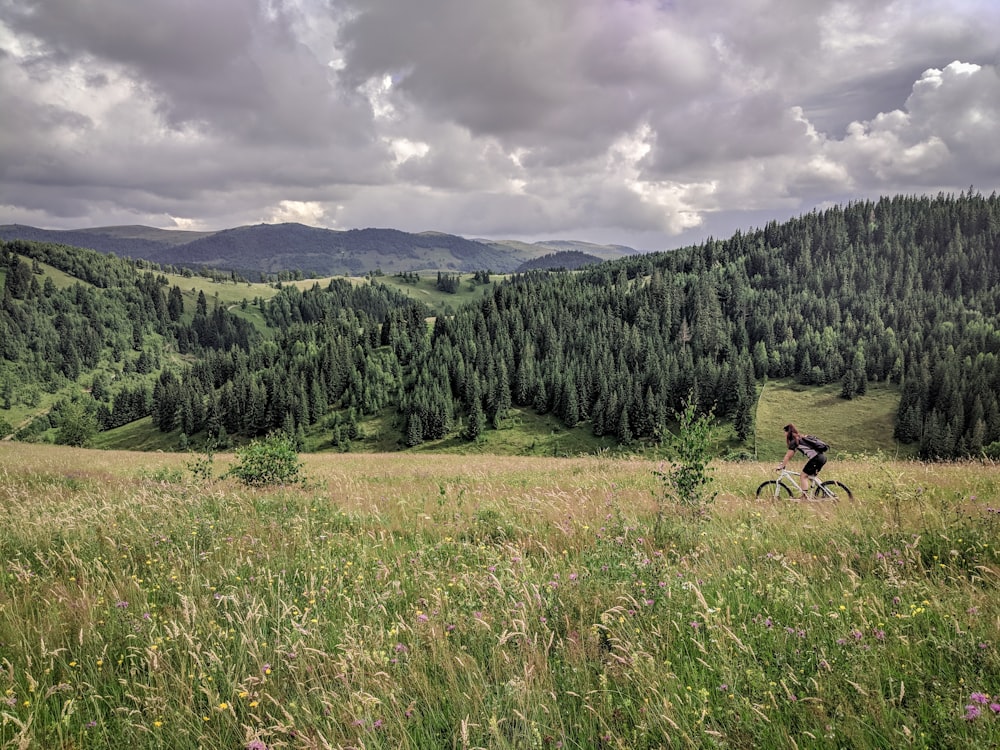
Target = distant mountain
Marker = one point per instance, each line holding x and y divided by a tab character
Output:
269	248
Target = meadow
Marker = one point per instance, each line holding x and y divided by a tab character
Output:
426	601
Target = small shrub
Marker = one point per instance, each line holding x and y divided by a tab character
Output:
686	482
272	461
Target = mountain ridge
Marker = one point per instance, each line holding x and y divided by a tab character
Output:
270	248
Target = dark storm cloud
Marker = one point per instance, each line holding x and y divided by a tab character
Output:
624	120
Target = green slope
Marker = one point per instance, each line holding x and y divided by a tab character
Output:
862	425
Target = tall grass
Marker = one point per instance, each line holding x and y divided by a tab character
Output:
424	601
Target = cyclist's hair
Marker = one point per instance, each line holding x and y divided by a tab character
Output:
791	432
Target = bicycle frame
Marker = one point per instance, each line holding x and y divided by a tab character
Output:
793	476
787	479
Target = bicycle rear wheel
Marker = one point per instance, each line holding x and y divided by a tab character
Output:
772	490
832	490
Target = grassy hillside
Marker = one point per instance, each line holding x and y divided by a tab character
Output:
862	425
427	601
426	291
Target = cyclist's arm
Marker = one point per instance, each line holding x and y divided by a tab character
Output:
787	458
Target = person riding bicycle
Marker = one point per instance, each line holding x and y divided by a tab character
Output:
817	458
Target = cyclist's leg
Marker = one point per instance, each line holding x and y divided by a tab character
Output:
810	470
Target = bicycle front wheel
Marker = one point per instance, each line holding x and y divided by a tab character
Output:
772	490
832	490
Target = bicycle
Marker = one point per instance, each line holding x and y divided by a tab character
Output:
829	490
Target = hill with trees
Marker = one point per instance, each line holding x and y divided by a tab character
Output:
902	291
269	249
564	260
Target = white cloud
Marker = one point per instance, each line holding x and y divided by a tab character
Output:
302	212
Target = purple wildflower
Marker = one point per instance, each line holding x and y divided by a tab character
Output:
972	712
981	698
122	604
256	745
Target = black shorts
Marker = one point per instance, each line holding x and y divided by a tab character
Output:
814	464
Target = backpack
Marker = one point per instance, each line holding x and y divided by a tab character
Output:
811	441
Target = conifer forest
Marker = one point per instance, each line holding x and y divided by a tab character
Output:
904	290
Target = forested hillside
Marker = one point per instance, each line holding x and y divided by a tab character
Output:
903	290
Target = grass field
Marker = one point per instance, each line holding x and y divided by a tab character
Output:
425	601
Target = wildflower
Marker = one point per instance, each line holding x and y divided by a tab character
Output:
980	698
695	624
256	745
266	669
223	706
122	604
995	707
972	712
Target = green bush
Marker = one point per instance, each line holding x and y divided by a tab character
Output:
271	461
687	482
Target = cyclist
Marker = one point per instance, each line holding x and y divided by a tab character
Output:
795	441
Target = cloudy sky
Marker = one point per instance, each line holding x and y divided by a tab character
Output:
650	123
